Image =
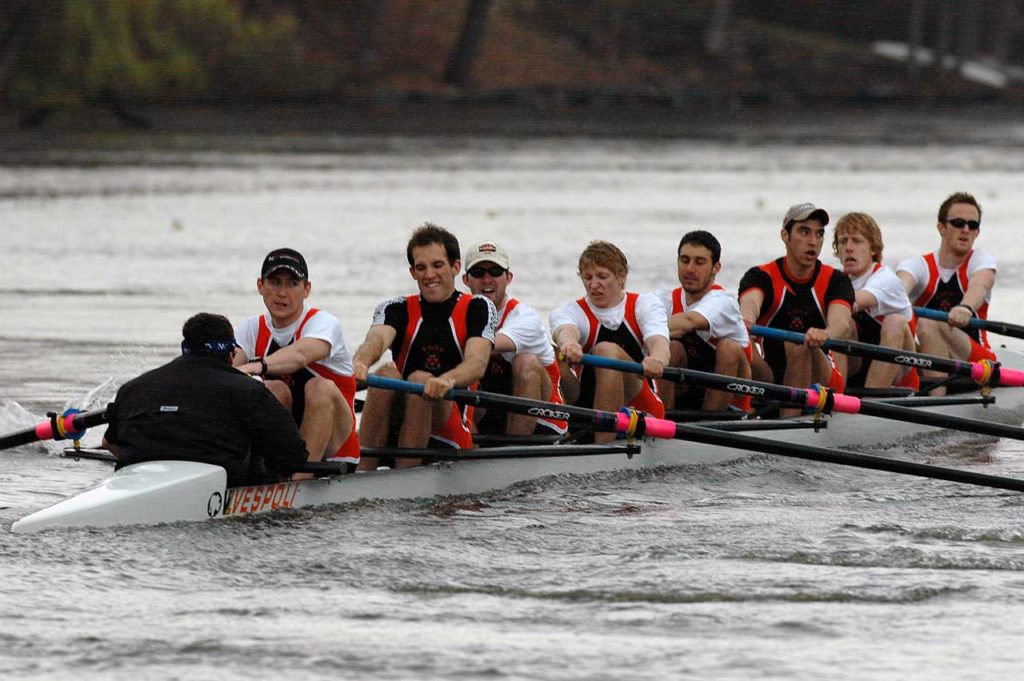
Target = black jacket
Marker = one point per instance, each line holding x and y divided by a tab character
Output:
199	408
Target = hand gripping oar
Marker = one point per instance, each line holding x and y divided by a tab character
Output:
1001	328
985	373
629	424
68	426
824	401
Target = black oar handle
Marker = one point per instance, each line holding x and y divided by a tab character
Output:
843	458
1001	328
979	371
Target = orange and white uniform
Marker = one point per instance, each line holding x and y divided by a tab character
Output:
432	337
258	337
722	312
522	325
628	325
938	288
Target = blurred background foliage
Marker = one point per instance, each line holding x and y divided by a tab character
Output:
59	54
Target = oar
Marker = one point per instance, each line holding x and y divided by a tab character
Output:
630	424
815	399
61	427
1002	328
975	370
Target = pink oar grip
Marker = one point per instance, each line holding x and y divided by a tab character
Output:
1011	377
44	431
660	428
653	427
844	404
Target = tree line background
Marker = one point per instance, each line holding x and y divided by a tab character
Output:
123	54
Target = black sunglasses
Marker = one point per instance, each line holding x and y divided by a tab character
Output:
960	223
478	272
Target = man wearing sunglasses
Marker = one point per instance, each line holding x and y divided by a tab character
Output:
956	279
523	360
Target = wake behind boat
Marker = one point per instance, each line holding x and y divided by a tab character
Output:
172	491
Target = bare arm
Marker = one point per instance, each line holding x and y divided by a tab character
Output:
470	370
567	339
908	280
750	306
290	358
864	300
686	322
657	356
837	322
978	288
503	343
378	339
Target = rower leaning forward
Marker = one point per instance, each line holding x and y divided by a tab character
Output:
956	279
439	337
609	321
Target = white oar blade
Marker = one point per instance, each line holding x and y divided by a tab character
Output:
143	493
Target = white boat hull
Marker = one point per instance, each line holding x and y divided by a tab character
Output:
171	491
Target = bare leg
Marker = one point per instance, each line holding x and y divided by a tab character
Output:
895	334
613	389
668	390
376	417
938	338
530	380
569	383
804	366
421	417
759	369
730	360
327	420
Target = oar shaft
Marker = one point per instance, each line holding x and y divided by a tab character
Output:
846	404
975	370
1001	328
660	428
44	430
848	347
821	454
601	421
738	386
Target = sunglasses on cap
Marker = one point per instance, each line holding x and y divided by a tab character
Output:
960	223
479	271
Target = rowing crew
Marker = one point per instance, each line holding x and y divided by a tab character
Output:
443	338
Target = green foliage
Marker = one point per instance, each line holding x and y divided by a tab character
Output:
166	50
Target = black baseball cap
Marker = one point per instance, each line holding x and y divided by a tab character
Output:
284	259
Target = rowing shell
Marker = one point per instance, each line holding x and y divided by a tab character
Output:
171	491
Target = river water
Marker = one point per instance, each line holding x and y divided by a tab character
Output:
765	568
